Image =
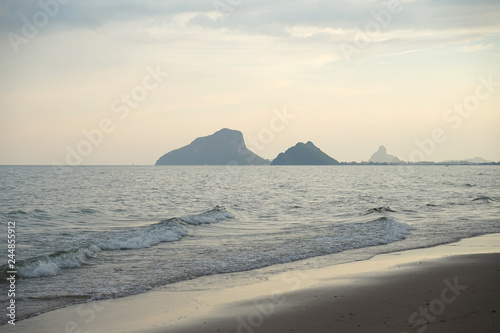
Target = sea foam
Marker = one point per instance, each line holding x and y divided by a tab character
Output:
169	230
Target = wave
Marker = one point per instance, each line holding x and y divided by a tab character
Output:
17	212
389	230
170	230
383	230
350	236
214	215
143	237
484	199
334	239
379	210
84	211
50	265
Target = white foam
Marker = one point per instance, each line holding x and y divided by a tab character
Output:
45	269
50	265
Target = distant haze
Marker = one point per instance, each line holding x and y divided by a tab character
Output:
126	81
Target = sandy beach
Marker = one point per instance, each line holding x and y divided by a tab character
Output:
449	288
456	294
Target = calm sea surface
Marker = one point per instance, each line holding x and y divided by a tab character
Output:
88	233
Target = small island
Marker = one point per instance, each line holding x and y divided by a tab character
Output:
381	156
304	154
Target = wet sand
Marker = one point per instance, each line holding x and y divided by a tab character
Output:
456	294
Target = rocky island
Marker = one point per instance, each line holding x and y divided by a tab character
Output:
304	154
381	156
224	147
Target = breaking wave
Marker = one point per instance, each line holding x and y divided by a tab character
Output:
170	230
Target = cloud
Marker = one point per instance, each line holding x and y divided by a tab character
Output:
276	18
476	47
403	52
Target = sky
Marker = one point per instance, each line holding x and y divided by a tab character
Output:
123	82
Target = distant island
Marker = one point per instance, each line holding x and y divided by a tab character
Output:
381	156
227	147
475	160
304	154
221	148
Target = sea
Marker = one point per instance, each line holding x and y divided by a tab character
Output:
100	232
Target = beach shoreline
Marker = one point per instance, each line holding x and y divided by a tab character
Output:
388	292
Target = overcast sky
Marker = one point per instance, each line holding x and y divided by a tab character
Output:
420	77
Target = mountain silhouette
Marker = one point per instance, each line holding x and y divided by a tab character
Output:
381	156
224	147
304	154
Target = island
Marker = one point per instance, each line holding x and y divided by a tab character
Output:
304	154
224	147
381	156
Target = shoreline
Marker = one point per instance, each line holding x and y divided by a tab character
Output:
281	299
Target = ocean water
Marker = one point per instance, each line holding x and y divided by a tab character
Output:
100	232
